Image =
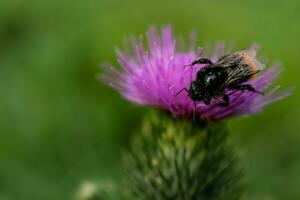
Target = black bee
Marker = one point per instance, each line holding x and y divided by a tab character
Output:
229	72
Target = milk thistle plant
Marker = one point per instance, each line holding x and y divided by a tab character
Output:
182	150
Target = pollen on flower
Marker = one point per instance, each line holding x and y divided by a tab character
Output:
153	75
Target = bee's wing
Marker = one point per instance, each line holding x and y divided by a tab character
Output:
239	75
241	66
247	56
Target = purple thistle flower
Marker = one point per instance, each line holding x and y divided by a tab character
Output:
153	77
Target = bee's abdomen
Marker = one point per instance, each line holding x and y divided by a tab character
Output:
248	58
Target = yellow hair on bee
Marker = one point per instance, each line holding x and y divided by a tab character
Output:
249	57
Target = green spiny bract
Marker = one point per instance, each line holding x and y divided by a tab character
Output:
173	159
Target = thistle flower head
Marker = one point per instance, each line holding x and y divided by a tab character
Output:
152	76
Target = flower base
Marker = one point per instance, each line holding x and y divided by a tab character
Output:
173	159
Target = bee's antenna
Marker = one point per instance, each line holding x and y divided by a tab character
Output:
191	64
200	60
183	89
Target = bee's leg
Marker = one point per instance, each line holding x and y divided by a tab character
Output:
207	101
246	88
225	102
195	110
201	61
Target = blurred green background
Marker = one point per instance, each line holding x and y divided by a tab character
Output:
61	127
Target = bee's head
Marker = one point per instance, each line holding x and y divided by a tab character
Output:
194	91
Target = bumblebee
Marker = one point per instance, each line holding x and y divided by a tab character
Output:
230	72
